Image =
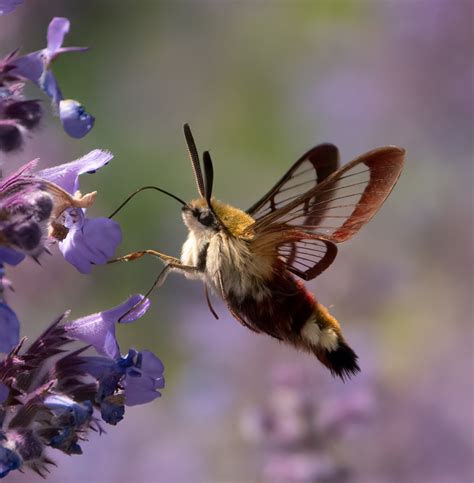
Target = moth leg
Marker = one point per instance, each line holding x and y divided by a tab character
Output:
139	254
160	280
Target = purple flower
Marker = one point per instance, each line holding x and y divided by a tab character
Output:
17	115
139	373
4	392
143	379
76	121
9	461
36	67
7	6
88	241
9	328
98	329
10	256
66	176
57	409
25	211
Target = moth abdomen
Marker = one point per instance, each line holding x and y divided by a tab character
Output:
323	337
342	362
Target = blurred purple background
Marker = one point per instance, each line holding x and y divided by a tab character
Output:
260	83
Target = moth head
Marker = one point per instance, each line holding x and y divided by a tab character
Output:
207	213
199	218
221	218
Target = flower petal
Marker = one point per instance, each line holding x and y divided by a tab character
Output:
9	328
9	460
7	6
67	175
143	380
30	66
138	312
96	331
93	243
57	29
122	309
151	364
4	392
99	329
49	85
74	118
139	390
10	256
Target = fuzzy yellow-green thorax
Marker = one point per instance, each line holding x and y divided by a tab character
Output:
236	221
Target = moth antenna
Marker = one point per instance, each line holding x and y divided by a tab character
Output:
209	173
143	188
194	156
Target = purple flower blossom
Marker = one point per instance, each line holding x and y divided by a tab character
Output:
25	209
58	408
76	121
143	379
7	6
17	115
10	256
9	328
9	461
4	392
35	205
88	241
36	67
98	329
66	176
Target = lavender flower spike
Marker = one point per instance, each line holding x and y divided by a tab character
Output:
7	6
36	67
98	329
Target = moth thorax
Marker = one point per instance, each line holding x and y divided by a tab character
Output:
236	221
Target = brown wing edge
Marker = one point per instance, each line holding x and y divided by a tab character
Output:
319	268
390	160
315	155
321	265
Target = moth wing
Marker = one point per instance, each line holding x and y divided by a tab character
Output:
306	256
337	207
312	168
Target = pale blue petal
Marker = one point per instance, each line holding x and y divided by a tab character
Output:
57	29
67	175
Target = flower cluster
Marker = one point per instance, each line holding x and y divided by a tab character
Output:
296	431
39	208
51	396
19	115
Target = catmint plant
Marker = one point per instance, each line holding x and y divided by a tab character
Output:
72	379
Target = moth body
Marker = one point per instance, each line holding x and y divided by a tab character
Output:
251	258
257	288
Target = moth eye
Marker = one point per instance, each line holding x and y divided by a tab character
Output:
206	218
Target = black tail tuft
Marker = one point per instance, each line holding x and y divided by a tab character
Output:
342	362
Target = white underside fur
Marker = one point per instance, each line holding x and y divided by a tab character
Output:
326	337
